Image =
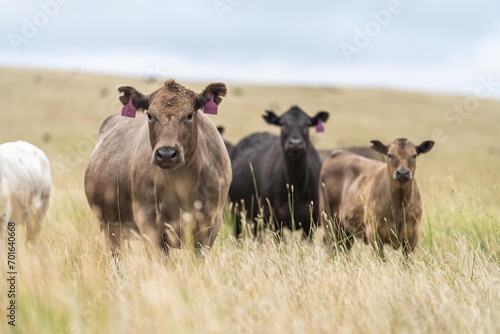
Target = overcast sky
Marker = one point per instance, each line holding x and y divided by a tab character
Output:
437	46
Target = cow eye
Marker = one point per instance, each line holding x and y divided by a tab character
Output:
190	116
390	156
150	117
414	156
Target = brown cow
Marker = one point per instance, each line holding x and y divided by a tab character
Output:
379	202
164	175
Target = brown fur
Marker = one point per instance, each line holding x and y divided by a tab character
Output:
369	199
131	193
364	151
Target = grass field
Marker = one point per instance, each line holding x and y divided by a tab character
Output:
67	283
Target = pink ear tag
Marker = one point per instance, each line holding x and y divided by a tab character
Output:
320	127
211	107
129	110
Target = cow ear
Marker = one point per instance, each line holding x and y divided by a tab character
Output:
425	147
139	100
322	115
271	118
379	147
218	90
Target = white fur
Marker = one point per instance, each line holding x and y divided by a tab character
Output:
25	184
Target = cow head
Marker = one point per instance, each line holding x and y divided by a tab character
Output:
401	157
295	125
171	112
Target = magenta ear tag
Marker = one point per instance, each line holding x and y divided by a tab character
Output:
320	127
129	110
211	107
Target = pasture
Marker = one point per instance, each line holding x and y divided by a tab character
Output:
68	284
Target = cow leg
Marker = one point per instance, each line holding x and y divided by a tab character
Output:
237	223
336	233
337	237
346	239
239	214
255	226
307	228
409	244
207	231
372	238
328	229
154	234
33	227
378	246
156	243
113	238
334	229
343	240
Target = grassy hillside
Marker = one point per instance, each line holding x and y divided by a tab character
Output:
68	285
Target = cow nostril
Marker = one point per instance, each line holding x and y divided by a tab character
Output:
159	156
166	154
294	142
403	173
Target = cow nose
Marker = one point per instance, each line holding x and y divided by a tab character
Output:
166	155
403	175
295	143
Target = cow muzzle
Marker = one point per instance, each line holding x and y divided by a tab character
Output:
295	148
402	175
168	157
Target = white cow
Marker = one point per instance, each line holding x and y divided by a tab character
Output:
25	184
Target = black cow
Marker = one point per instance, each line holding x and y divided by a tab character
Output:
282	166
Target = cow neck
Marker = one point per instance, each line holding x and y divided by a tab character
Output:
190	169
180	181
192	159
297	173
192	163
400	196
400	193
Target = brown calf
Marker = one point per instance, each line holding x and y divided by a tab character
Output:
378	202
163	175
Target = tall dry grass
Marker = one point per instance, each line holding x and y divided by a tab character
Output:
68	284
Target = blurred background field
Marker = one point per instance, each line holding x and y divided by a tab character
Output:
67	284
